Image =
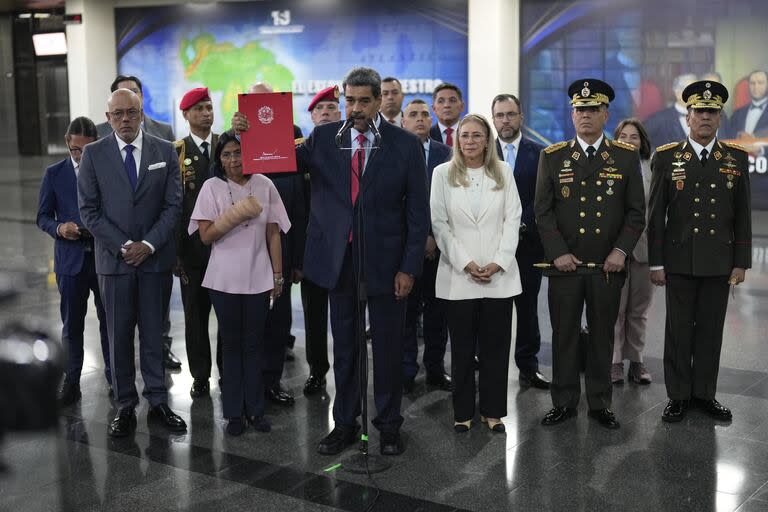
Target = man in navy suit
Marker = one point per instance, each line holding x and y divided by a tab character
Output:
416	119
522	155
73	260
447	104
669	125
752	118
129	190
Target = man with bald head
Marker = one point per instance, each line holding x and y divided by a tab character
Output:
129	193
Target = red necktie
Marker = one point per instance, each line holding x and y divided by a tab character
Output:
448	137
358	158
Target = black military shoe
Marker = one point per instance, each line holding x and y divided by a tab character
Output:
713	408
390	443
605	417
200	388
557	415
534	380
123	424
277	395
168	418
337	440
170	361
314	385
440	381
674	411
69	393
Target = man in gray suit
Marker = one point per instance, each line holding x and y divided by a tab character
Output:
129	193
165	132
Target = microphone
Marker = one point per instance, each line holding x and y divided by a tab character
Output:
344	127
375	131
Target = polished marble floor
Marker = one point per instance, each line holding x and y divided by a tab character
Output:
647	465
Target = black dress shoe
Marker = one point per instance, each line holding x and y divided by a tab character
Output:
337	440
277	395
440	381
605	417
167	417
390	443
69	393
235	426
170	361
314	385
674	411
713	408
408	385
534	380
558	415
259	423
123	424
199	388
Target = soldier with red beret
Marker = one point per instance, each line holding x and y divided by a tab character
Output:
324	107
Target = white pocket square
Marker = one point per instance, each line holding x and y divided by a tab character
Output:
158	165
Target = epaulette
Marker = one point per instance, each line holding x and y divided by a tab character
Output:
298	141
667	146
554	147
623	145
733	145
178	143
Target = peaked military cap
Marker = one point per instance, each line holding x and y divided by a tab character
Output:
590	92
705	94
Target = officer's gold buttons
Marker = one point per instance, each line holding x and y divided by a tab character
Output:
696	214
712	185
582	231
713	200
697	185
695	230
696	200
599	214
583	183
711	231
583	199
599	183
597	231
712	215
599	198
582	214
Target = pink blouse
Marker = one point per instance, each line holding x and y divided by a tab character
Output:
240	262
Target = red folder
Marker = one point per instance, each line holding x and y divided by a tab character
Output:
268	145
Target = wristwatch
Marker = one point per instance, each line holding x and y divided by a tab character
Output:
279	281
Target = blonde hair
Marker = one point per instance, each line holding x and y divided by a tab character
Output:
457	173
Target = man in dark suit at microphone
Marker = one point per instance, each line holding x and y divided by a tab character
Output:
374	174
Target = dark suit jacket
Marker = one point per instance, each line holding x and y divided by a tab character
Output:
114	213
438	153
58	204
740	117
157	128
576	214
664	127
699	225
393	192
526	166
434	133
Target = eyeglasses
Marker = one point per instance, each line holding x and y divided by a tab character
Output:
131	114
474	137
228	155
75	150
500	116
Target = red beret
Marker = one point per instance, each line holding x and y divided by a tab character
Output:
193	97
327	94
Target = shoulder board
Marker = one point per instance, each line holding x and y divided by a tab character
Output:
299	141
733	145
555	147
666	146
178	143
623	145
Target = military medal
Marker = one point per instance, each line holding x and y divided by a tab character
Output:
729	184
187	161
566	191
567	163
605	155
575	155
679	185
609	191
718	155
678	155
610	161
687	156
610	183
191	185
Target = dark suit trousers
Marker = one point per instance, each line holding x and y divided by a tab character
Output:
528	339
131	299
696	308
167	292
435	327
197	311
567	296
314	300
241	325
387	317
487	324
74	291
277	336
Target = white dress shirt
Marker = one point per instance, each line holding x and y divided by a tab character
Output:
442	127
753	115
199	142
584	145
368	144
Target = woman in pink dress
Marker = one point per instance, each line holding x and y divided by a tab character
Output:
241	217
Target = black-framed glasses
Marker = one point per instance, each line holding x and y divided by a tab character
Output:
131	114
505	115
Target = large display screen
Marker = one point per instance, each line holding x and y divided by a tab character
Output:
296	46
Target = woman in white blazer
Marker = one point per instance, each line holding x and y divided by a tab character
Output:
476	220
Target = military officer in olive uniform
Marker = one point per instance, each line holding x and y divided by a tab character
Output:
590	210
191	255
699	242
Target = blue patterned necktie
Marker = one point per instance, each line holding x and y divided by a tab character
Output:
130	166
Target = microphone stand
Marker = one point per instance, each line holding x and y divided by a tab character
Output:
362	462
